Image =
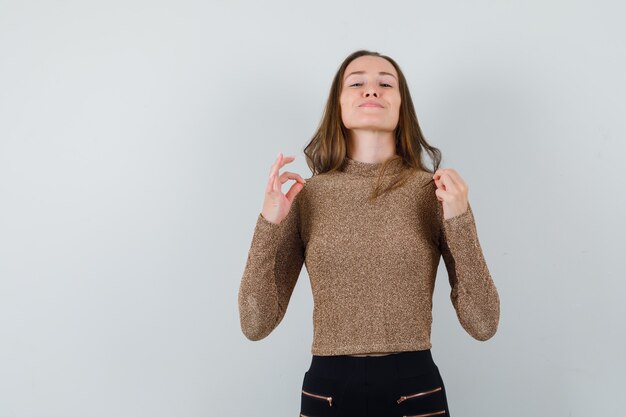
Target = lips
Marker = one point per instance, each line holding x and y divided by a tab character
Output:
371	104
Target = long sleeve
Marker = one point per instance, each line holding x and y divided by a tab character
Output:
473	292
273	265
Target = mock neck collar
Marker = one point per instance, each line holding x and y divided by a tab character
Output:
370	169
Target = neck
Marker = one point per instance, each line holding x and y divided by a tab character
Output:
371	146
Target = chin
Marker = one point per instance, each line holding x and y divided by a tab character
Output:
371	126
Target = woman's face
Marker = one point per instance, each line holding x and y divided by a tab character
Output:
375	80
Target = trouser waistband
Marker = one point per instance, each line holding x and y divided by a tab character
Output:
373	368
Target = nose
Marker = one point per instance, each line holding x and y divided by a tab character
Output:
371	91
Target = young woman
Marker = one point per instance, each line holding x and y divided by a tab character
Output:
371	223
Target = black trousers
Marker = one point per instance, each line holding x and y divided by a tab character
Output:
394	385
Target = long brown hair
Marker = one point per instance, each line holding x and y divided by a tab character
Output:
327	149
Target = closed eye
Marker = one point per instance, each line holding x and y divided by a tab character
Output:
352	85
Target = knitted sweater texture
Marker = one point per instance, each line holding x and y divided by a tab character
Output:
371	264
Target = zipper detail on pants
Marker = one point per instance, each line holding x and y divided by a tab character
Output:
429	414
419	394
329	399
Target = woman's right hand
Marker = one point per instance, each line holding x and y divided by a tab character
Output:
276	204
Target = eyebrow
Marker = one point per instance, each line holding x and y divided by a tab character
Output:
363	72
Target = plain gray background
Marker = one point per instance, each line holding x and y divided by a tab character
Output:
135	142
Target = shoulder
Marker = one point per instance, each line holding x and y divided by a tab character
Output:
319	183
423	187
422	181
311	183
424	176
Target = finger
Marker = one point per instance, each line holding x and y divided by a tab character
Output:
456	179
448	183
288	175
274	166
442	195
438	172
277	165
276	187
274	180
437	177
270	184
274	172
293	191
451	171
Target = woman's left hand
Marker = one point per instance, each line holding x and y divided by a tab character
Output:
451	191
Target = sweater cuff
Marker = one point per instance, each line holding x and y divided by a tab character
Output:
460	219
460	228
265	226
265	223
